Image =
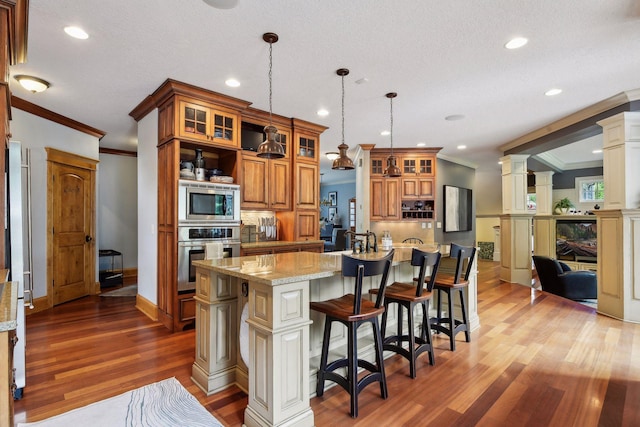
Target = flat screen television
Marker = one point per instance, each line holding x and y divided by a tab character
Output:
251	136
457	209
576	240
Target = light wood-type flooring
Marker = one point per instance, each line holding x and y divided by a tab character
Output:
537	360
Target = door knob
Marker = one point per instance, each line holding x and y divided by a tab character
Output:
88	239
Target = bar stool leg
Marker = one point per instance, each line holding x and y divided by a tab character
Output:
452	321
352	367
426	331
412	342
379	358
439	311
323	358
465	320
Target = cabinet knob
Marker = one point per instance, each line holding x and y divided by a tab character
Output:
88	238
14	340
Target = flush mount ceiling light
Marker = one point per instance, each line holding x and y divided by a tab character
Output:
332	155
222	4
32	84
343	162
516	43
392	169
270	148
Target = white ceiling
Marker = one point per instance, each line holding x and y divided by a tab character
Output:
441	57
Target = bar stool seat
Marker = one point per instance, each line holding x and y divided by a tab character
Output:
352	311
407	296
450	285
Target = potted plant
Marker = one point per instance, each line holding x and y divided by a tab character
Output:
563	205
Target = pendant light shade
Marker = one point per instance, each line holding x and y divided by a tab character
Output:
343	162
270	148
392	169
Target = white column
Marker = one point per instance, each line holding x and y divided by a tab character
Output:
544	193
619	221
515	222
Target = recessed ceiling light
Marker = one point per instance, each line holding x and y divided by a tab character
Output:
499	163
597	151
222	4
232	83
421	144
462	147
322	112
553	92
516	42
454	117
76	32
385	133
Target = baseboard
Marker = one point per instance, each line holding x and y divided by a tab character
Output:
39	304
130	276
147	307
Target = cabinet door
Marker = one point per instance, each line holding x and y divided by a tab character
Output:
417	188
307	147
254	182
418	165
377	165
385	199
307	225
307	186
280	184
224	128
194	121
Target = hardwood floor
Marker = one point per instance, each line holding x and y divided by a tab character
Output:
537	360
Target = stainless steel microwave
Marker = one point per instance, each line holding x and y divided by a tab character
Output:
206	202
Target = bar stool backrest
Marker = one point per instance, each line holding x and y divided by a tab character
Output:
361	268
424	260
464	254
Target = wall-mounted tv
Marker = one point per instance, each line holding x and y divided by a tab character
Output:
576	240
457	209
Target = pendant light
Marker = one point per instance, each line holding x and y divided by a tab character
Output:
343	162
270	148
392	169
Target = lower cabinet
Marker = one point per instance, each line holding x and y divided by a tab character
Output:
7	380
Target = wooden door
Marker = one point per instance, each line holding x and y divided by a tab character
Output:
71	216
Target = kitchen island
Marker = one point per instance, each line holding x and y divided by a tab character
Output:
284	338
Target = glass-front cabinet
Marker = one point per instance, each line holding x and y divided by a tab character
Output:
208	124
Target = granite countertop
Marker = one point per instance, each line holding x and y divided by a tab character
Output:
272	243
278	269
8	306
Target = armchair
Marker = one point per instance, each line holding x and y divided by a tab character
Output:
338	240
557	278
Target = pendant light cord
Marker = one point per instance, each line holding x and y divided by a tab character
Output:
343	109
270	83
391	126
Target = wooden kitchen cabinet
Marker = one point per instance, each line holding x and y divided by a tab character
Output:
7	380
385	199
266	184
418	164
202	122
418	188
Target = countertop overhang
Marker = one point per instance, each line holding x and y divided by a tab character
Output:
8	306
279	269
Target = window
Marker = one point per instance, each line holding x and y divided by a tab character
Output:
590	189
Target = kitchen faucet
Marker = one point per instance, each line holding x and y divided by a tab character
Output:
358	243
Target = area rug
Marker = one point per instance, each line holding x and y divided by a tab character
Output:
127	291
163	404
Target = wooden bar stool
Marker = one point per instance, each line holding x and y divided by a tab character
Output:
352	311
449	285
408	295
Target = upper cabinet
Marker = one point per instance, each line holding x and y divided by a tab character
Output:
410	196
206	123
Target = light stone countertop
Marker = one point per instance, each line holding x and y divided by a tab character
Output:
272	243
8	306
279	269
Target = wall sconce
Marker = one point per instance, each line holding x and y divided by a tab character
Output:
32	84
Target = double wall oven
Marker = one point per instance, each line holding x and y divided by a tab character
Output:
207	213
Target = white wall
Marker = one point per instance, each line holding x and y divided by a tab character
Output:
36	133
148	206
118	206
